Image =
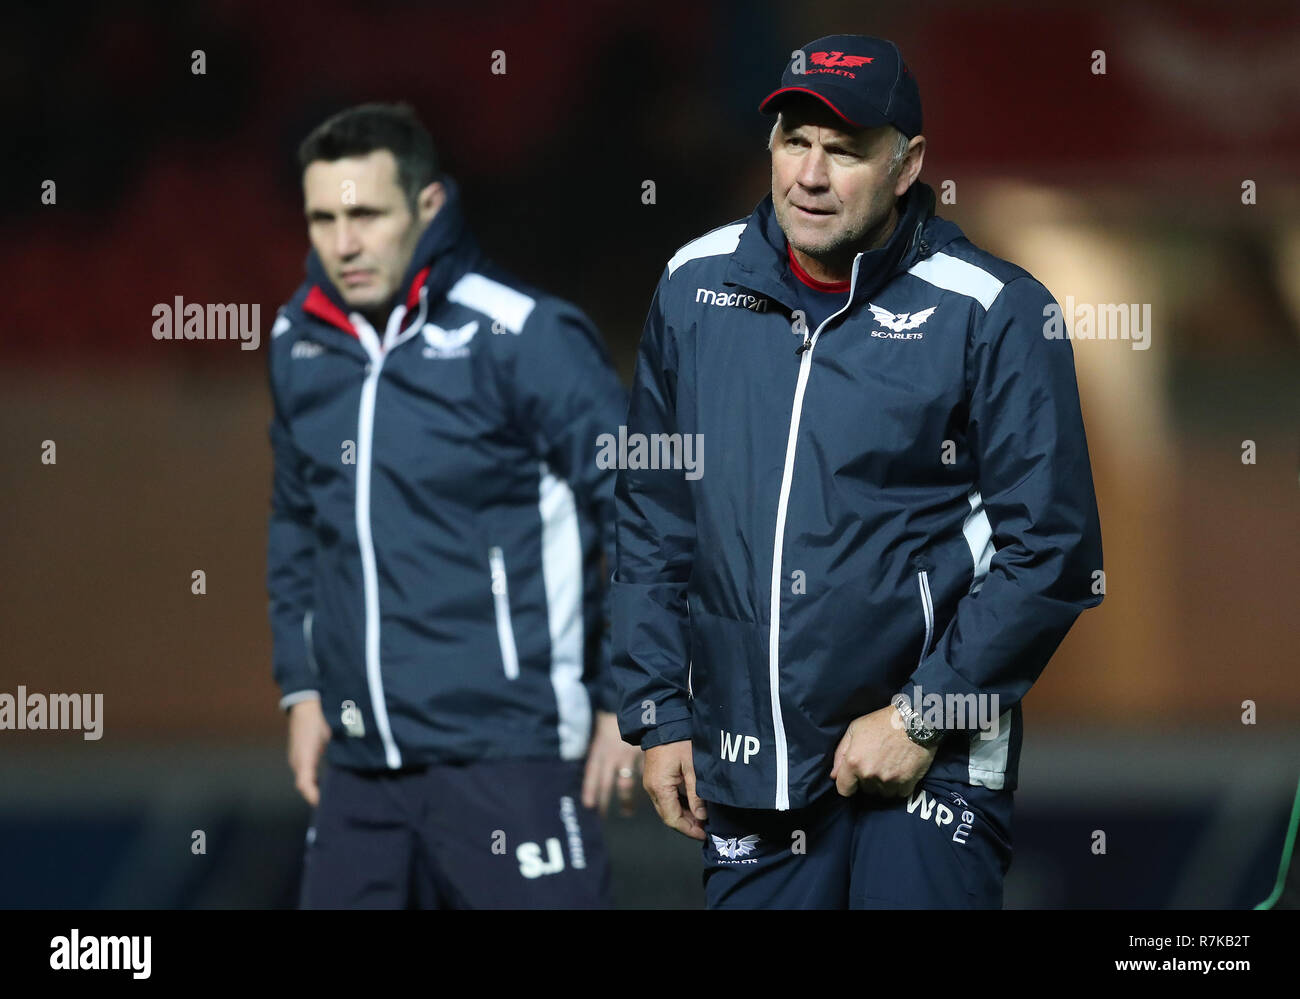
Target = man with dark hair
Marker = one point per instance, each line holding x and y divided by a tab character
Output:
435	549
368	127
824	642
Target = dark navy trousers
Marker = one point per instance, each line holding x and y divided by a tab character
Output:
491	834
948	846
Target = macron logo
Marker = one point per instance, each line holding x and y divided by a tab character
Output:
731	299
306	348
90	953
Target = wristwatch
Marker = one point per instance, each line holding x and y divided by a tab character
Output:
917	730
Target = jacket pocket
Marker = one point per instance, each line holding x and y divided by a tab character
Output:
501	600
927	611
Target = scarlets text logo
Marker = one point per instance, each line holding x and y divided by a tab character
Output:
837	63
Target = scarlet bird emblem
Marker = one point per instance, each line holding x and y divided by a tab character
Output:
448	343
902	321
734	847
838	59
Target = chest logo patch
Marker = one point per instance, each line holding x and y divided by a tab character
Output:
899	324
444	344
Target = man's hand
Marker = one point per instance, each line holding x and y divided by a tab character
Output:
308	733
877	757
670	771
610	762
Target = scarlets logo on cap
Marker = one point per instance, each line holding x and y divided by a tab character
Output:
838	59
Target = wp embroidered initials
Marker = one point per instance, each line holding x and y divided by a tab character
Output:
71	712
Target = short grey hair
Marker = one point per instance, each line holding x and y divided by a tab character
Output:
901	144
896	156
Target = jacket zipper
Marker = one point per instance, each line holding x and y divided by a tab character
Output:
927	608
805	353
377	352
501	600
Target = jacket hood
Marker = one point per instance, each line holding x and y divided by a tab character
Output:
445	251
761	262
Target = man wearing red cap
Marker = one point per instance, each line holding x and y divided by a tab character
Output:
823	643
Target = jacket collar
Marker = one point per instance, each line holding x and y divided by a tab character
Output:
445	251
760	259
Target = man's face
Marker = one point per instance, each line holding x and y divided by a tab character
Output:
832	190
361	226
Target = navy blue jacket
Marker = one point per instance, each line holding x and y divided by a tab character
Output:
903	505
438	520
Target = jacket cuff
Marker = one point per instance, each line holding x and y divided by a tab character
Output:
676	731
289	700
